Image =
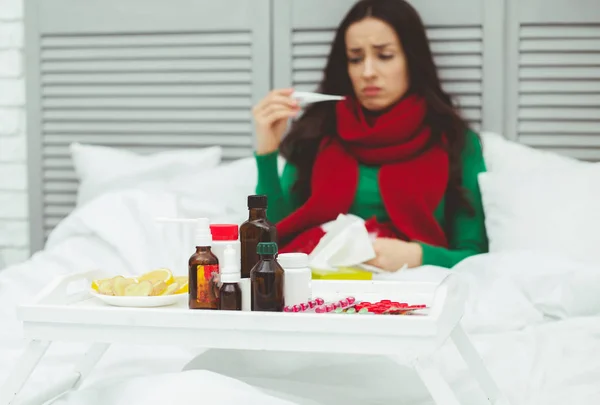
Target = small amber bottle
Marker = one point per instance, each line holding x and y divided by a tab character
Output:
255	230
230	294
203	271
267	280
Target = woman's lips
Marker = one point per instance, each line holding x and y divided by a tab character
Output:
371	91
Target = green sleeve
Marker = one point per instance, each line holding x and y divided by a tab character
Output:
278	190
468	236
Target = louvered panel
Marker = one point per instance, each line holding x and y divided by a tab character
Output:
164	140
140	114
147	40
51	79
458	52
148	65
559	88
147	77
168	102
114	53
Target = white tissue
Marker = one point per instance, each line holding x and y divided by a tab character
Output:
345	244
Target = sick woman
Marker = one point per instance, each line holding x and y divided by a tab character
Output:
395	152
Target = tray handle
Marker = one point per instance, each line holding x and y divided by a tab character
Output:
57	291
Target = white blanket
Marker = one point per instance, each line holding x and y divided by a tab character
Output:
535	319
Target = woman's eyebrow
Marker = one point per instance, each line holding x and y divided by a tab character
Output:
381	46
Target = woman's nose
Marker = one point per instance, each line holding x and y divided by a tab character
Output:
368	69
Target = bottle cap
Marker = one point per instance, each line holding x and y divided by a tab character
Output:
230	263
223	232
203	236
257	201
293	260
266	248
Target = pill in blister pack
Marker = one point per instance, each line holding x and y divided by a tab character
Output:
305	306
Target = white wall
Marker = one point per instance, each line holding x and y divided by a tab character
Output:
14	239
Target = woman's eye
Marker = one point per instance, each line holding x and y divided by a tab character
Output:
354	60
386	57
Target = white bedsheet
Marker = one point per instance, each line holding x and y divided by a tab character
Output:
534	318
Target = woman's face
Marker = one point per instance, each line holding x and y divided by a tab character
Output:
376	63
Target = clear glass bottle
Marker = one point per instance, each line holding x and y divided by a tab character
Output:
267	280
255	230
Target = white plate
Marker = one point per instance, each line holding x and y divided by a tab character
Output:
140	302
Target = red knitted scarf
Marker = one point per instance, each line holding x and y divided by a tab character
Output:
412	179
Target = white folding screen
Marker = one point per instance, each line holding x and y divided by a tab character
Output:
150	75
466	39
553	80
139	75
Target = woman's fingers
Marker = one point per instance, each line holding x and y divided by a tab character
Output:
281	96
277	115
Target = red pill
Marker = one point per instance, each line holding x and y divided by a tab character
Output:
312	304
297	308
330	307
319	301
304	306
320	310
351	300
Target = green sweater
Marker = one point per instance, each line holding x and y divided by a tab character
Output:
468	235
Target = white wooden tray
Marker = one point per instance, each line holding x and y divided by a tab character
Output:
65	311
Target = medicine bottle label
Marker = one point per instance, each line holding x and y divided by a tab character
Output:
208	285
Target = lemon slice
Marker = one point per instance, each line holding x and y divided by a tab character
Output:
106	287
142	289
183	284
159	287
171	289
155	276
120	283
96	283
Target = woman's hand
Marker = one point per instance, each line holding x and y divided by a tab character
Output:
392	254
271	116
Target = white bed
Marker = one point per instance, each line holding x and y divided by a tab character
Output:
533	309
524	68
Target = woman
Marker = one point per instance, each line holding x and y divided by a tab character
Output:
395	152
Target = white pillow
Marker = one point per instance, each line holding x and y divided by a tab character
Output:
549	210
501	154
227	185
101	169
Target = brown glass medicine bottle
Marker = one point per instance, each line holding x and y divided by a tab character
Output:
267	280
203	271
255	230
230	294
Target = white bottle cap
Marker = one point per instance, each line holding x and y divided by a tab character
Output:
293	260
230	269
203	236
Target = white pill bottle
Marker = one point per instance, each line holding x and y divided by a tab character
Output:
298	276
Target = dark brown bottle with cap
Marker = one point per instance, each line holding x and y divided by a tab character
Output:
267	280
203	271
255	230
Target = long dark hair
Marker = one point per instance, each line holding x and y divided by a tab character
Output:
301	144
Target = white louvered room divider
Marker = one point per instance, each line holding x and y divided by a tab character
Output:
554	76
141	75
151	75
